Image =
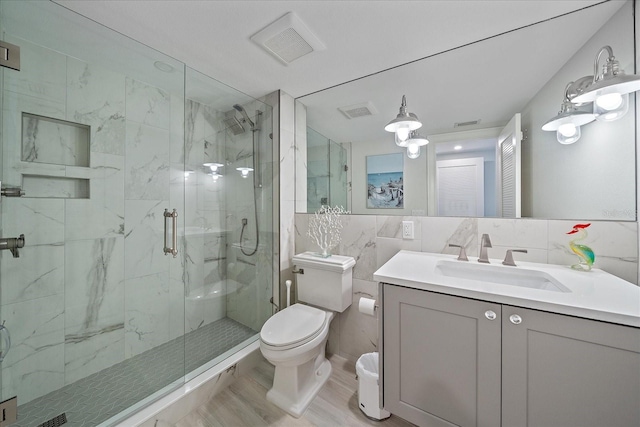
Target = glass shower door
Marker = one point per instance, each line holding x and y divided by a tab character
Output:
92	133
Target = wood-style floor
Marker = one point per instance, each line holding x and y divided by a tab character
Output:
244	403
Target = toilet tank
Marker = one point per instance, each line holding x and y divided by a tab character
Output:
326	282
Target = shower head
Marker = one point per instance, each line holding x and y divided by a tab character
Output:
233	124
245	115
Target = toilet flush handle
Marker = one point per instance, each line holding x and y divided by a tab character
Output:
288	283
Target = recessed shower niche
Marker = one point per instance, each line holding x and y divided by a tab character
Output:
47	141
53	141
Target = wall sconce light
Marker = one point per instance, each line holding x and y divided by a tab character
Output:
609	91
414	143
403	124
244	171
568	121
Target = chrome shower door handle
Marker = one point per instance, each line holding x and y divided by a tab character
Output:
173	250
6	337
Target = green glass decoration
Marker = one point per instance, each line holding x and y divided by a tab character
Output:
584	252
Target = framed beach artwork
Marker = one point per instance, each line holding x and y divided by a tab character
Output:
385	187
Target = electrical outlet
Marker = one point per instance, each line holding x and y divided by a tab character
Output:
407	229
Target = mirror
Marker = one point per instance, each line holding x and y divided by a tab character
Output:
466	97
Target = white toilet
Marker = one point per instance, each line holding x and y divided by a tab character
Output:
294	339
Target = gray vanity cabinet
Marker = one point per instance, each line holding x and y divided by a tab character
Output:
441	358
455	361
560	370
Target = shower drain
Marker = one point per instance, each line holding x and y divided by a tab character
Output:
55	421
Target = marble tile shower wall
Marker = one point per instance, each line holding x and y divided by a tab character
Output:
373	240
92	286
252	274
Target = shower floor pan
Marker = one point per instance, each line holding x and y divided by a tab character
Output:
98	397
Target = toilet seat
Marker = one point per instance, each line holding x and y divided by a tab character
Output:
293	327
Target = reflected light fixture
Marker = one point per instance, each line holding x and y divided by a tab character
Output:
568	121
244	171
403	124
413	144
213	166
609	91
215	176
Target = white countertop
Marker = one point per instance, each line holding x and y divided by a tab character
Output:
594	295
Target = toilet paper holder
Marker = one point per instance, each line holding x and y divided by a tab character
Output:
368	306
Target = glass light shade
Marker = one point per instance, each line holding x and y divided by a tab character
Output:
413	151
244	172
402	136
568	134
213	166
610	107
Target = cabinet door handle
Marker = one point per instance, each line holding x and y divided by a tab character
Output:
515	319
490	314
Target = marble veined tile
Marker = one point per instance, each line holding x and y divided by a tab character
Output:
144	238
146	163
391	226
35	364
146	319
359	241
96	97
37	273
439	232
94	300
42	74
40	220
516	233
177	129
614	244
147	104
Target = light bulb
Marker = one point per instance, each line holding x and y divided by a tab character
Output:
568	135
402	134
413	151
245	173
610	107
215	177
610	101
567	130
214	168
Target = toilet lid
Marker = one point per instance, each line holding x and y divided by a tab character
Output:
295	324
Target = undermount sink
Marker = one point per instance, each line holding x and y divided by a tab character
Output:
514	276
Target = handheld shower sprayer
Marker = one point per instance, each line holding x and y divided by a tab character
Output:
245	115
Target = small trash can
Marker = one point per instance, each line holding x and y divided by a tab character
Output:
369	386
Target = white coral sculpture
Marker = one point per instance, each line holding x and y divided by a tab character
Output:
325	228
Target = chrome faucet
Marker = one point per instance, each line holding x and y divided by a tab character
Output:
485	242
508	258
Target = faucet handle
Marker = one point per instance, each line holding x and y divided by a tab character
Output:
508	258
463	253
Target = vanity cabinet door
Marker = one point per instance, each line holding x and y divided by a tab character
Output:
565	371
441	362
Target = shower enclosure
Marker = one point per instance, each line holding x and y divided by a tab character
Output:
113	301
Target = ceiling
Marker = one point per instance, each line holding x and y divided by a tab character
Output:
361	37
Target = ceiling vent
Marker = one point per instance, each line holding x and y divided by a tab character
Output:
358	110
287	39
469	123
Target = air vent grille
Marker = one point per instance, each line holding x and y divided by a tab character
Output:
287	39
288	45
469	123
362	109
